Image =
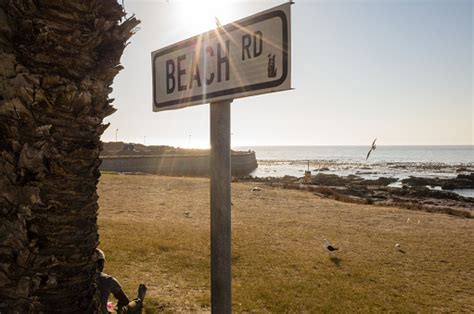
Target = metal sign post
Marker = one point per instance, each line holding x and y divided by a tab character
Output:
220	171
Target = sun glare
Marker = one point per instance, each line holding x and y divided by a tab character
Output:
200	15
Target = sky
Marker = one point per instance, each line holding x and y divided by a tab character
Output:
396	70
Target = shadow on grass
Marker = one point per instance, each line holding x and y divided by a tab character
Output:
335	260
155	307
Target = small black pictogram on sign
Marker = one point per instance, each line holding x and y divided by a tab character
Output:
272	70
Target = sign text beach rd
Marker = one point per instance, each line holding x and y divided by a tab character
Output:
176	69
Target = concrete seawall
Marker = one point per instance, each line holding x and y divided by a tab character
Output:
177	165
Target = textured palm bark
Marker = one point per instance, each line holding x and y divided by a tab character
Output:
57	62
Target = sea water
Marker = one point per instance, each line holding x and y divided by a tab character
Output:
385	161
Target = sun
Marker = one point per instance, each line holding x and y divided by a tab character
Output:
200	15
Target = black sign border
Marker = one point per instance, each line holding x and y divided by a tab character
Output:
227	28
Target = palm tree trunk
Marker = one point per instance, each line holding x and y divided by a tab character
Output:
57	62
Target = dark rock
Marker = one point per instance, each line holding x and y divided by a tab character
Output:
466	176
365	172
462	181
384	181
322	169
329	180
335	180
289	179
416	181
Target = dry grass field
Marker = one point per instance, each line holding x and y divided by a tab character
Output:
156	230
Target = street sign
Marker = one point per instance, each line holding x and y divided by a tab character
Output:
248	57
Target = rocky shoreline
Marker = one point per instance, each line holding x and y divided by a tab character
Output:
400	170
462	181
415	192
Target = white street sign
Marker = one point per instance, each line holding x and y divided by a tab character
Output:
247	57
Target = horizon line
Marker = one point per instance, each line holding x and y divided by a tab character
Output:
290	145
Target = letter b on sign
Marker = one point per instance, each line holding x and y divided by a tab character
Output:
170	80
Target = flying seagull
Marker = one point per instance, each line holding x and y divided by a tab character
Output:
218	23
371	149
329	247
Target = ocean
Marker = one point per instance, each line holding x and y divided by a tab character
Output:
385	161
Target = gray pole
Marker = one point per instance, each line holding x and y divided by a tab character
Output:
221	279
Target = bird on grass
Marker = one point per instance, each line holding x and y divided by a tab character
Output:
373	147
329	247
398	247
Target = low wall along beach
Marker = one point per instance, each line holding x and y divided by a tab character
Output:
177	165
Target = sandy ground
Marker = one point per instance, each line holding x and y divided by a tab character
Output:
156	230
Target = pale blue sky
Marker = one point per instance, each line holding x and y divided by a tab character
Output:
401	71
